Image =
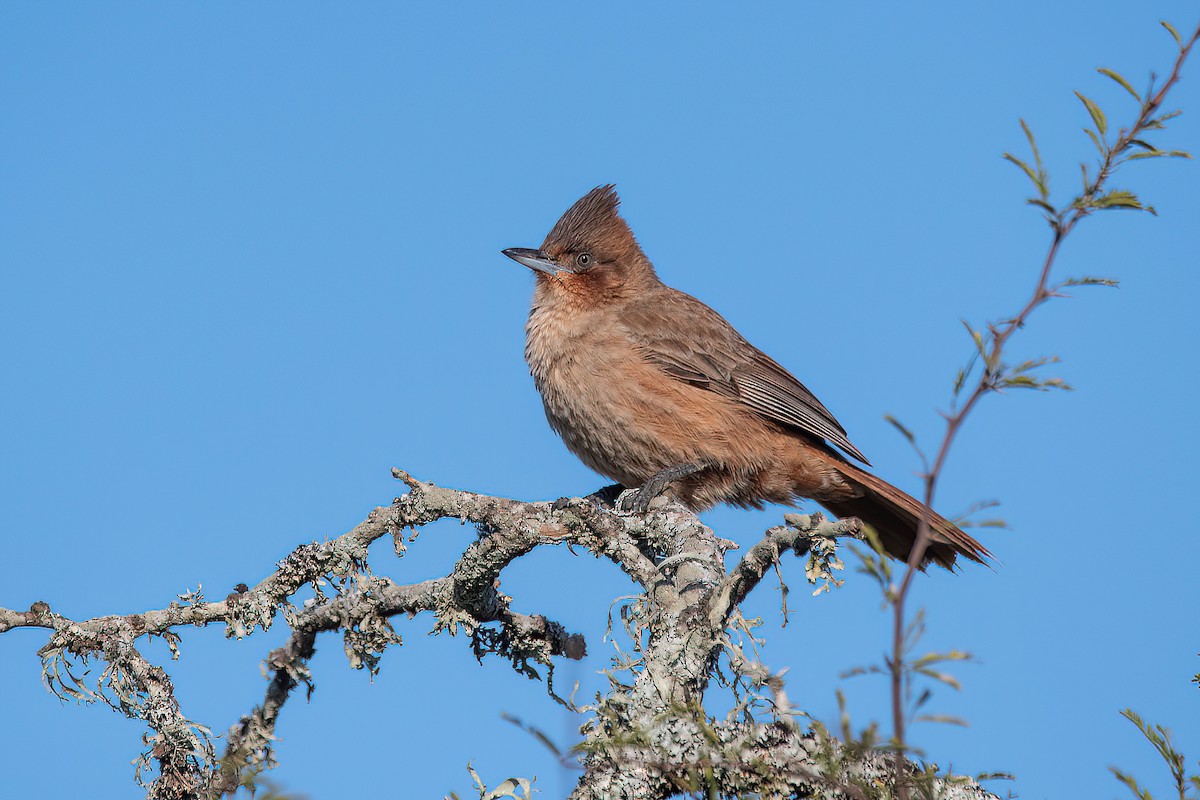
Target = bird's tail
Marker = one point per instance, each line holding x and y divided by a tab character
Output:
895	516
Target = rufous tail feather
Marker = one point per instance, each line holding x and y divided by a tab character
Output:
895	516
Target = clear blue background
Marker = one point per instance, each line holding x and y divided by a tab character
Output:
251	261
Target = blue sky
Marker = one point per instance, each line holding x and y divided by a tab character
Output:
251	261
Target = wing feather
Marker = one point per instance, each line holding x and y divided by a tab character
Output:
728	364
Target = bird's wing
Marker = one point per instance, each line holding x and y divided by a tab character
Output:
692	343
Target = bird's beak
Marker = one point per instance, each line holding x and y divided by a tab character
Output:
534	259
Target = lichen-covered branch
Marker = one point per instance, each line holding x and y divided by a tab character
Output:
464	599
648	737
135	687
777	760
797	536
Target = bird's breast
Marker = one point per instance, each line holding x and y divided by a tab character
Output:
574	364
619	413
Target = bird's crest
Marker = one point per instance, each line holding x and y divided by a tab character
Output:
592	221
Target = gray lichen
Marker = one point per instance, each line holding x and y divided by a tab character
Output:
648	737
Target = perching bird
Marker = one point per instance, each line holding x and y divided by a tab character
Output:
653	389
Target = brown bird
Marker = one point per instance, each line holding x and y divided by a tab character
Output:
653	389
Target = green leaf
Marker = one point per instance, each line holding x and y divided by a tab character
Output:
1129	781
1034	363
1029	136
1094	110
1119	198
1171	30
1041	182
1088	280
1124	83
1160	154
936	658
854	672
847	734
871	537
977	337
944	677
905	432
1157	124
943	718
1026	169
1096	141
1042	204
1160	737
535	732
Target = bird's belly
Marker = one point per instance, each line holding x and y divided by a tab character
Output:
629	421
593	414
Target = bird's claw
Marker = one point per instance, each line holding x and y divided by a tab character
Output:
608	496
639	500
633	501
605	498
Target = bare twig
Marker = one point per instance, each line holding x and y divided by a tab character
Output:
1062	223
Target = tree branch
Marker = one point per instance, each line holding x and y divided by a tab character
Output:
686	755
797	536
647	739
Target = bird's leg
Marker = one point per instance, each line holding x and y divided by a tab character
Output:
639	500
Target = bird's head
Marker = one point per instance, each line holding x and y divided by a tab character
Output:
589	251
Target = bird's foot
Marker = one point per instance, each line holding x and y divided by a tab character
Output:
608	496
638	500
605	498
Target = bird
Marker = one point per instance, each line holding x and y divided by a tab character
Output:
653	389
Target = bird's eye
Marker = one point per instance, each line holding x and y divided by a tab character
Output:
583	260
